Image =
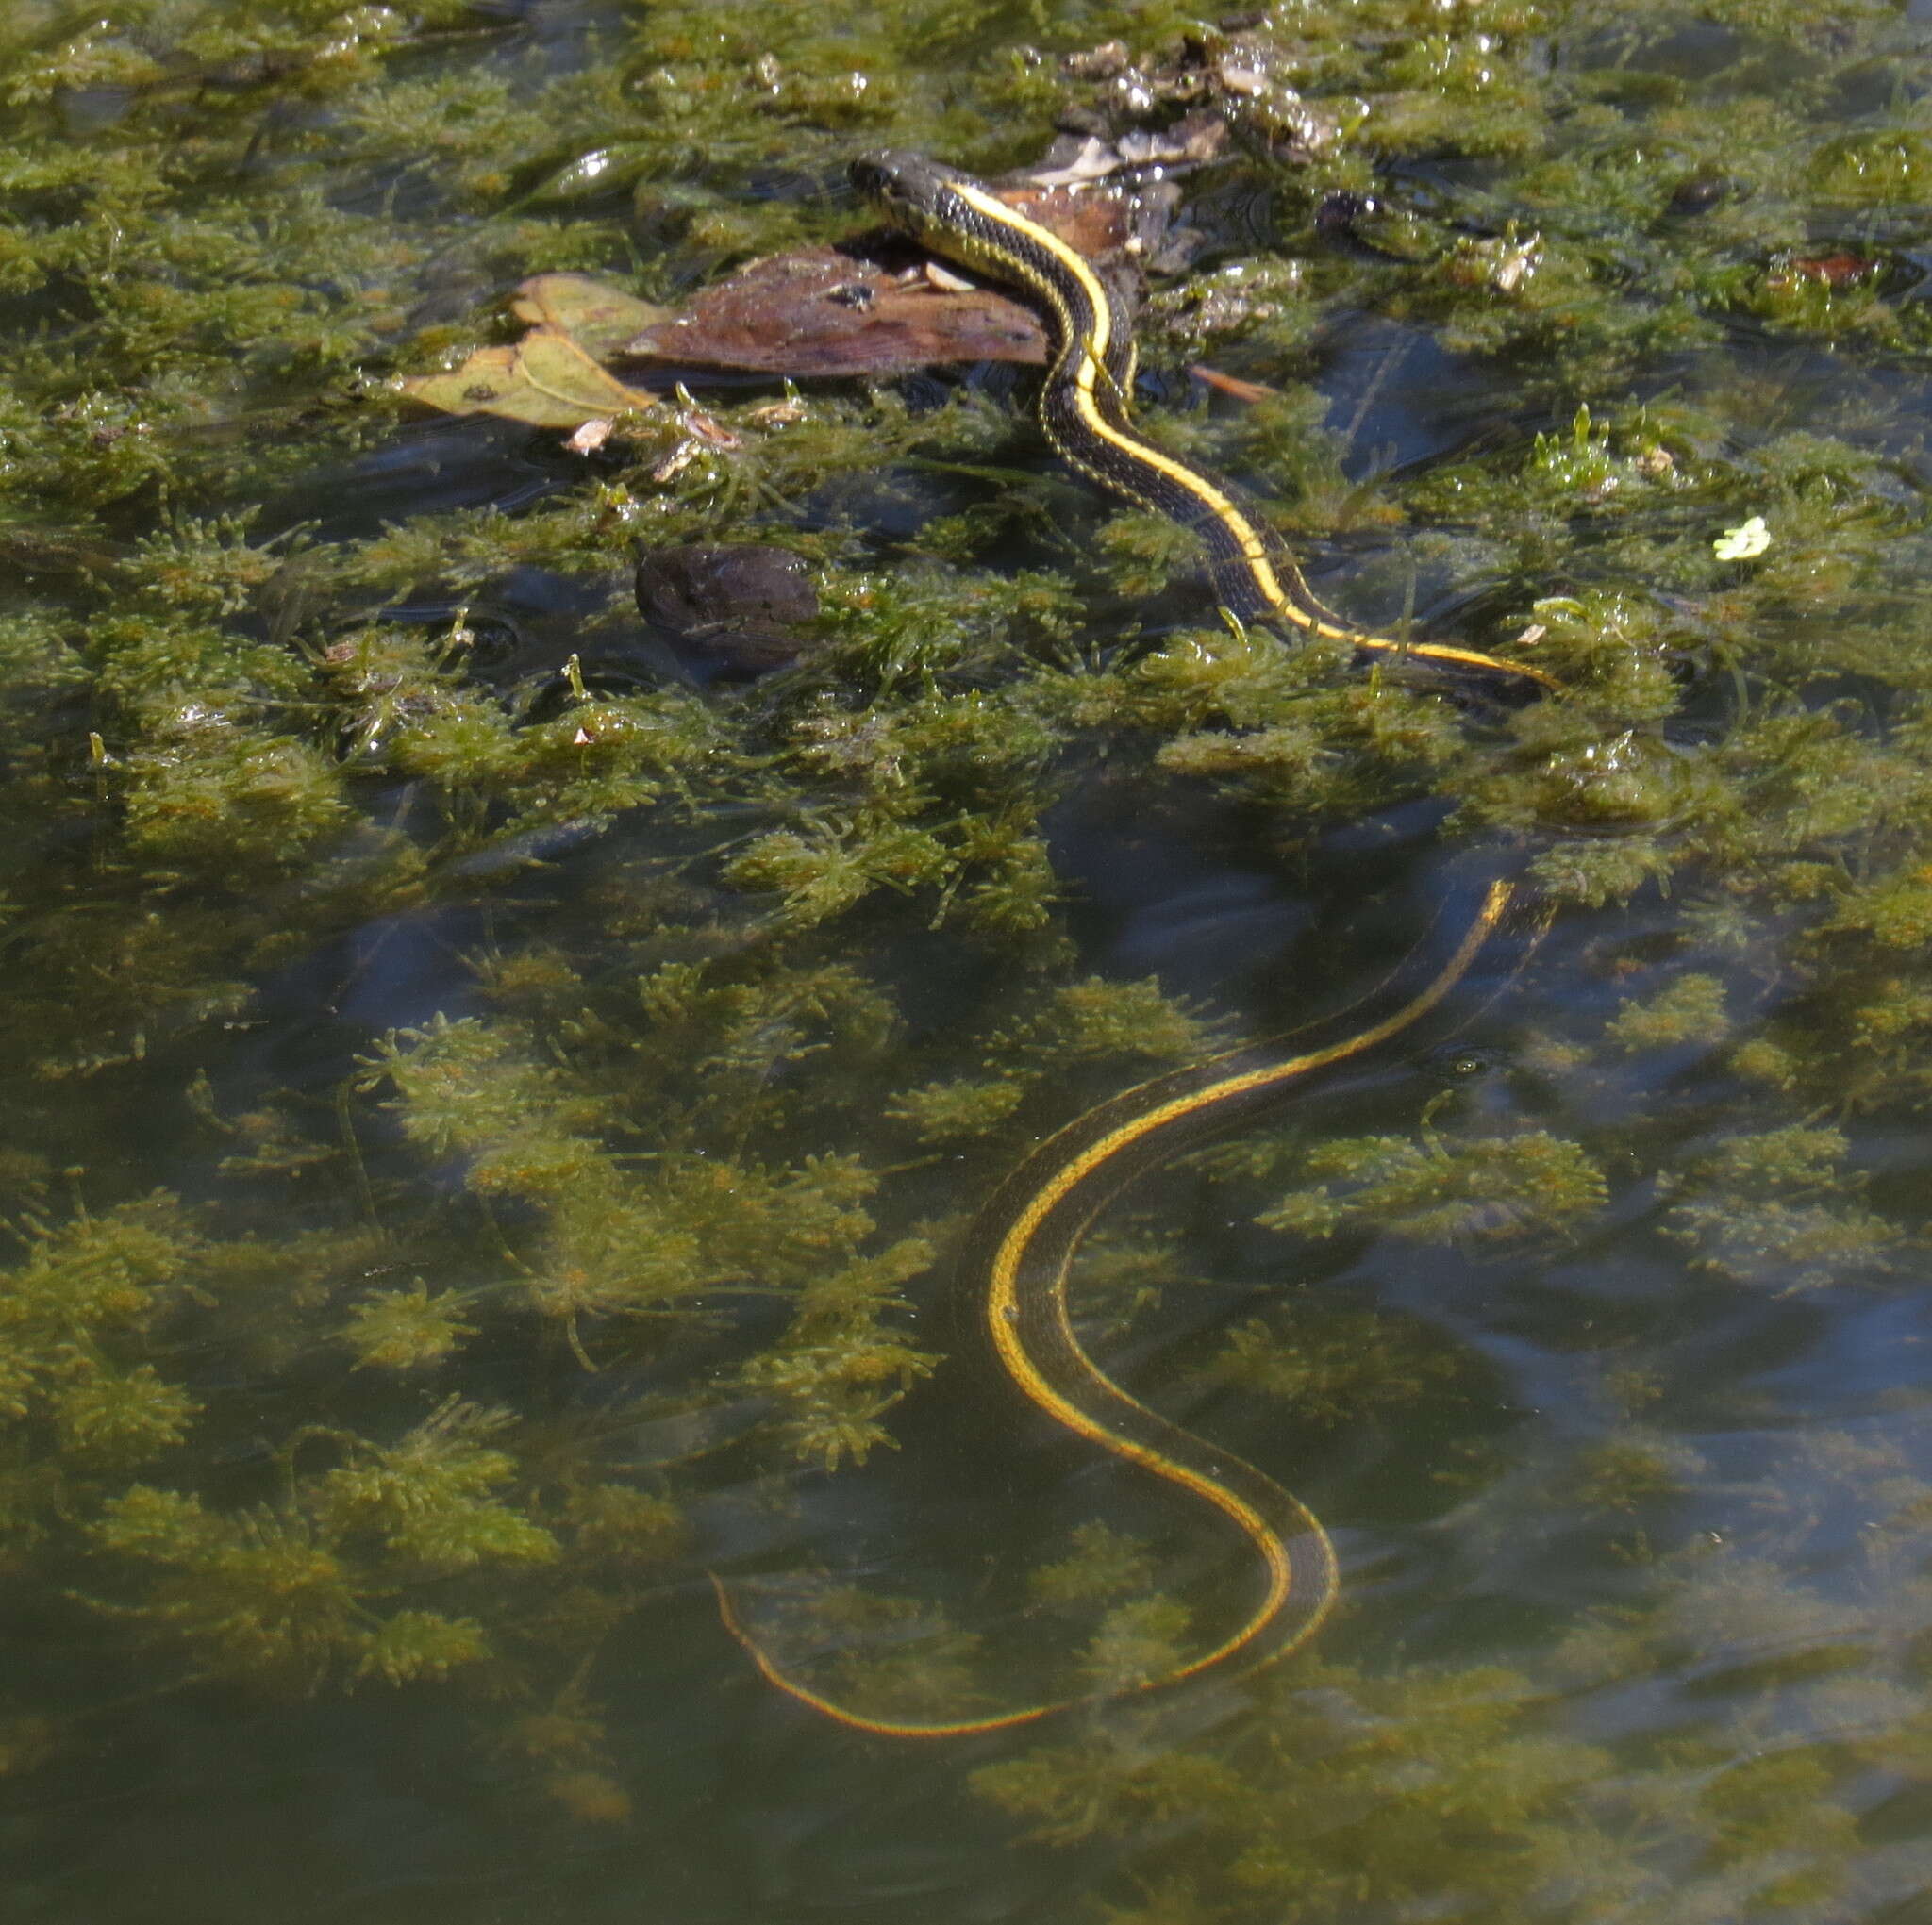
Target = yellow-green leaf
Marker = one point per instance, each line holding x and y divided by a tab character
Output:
546	380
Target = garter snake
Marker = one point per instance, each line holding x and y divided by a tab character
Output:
1024	1238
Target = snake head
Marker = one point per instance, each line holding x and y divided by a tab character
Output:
915	194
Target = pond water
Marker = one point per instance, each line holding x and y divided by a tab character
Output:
495	1096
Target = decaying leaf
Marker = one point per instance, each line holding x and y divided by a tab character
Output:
598	317
546	380
821	313
875	308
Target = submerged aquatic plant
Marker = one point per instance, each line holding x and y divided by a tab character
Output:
487	1107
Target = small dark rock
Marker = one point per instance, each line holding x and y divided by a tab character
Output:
747	605
1698	194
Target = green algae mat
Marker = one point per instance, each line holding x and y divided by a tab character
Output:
495	1084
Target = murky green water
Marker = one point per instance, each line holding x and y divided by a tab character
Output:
486	1139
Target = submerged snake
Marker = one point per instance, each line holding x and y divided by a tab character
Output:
1024	1240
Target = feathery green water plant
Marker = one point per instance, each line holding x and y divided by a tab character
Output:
487	1111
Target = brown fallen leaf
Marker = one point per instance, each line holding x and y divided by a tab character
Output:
546	380
873	308
1107	224
818	312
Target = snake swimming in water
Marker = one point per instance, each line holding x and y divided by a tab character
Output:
1024	1240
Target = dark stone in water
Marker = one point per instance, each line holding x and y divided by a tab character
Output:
746	605
1699	193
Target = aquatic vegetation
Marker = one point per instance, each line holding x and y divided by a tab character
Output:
1484	1186
488	1104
